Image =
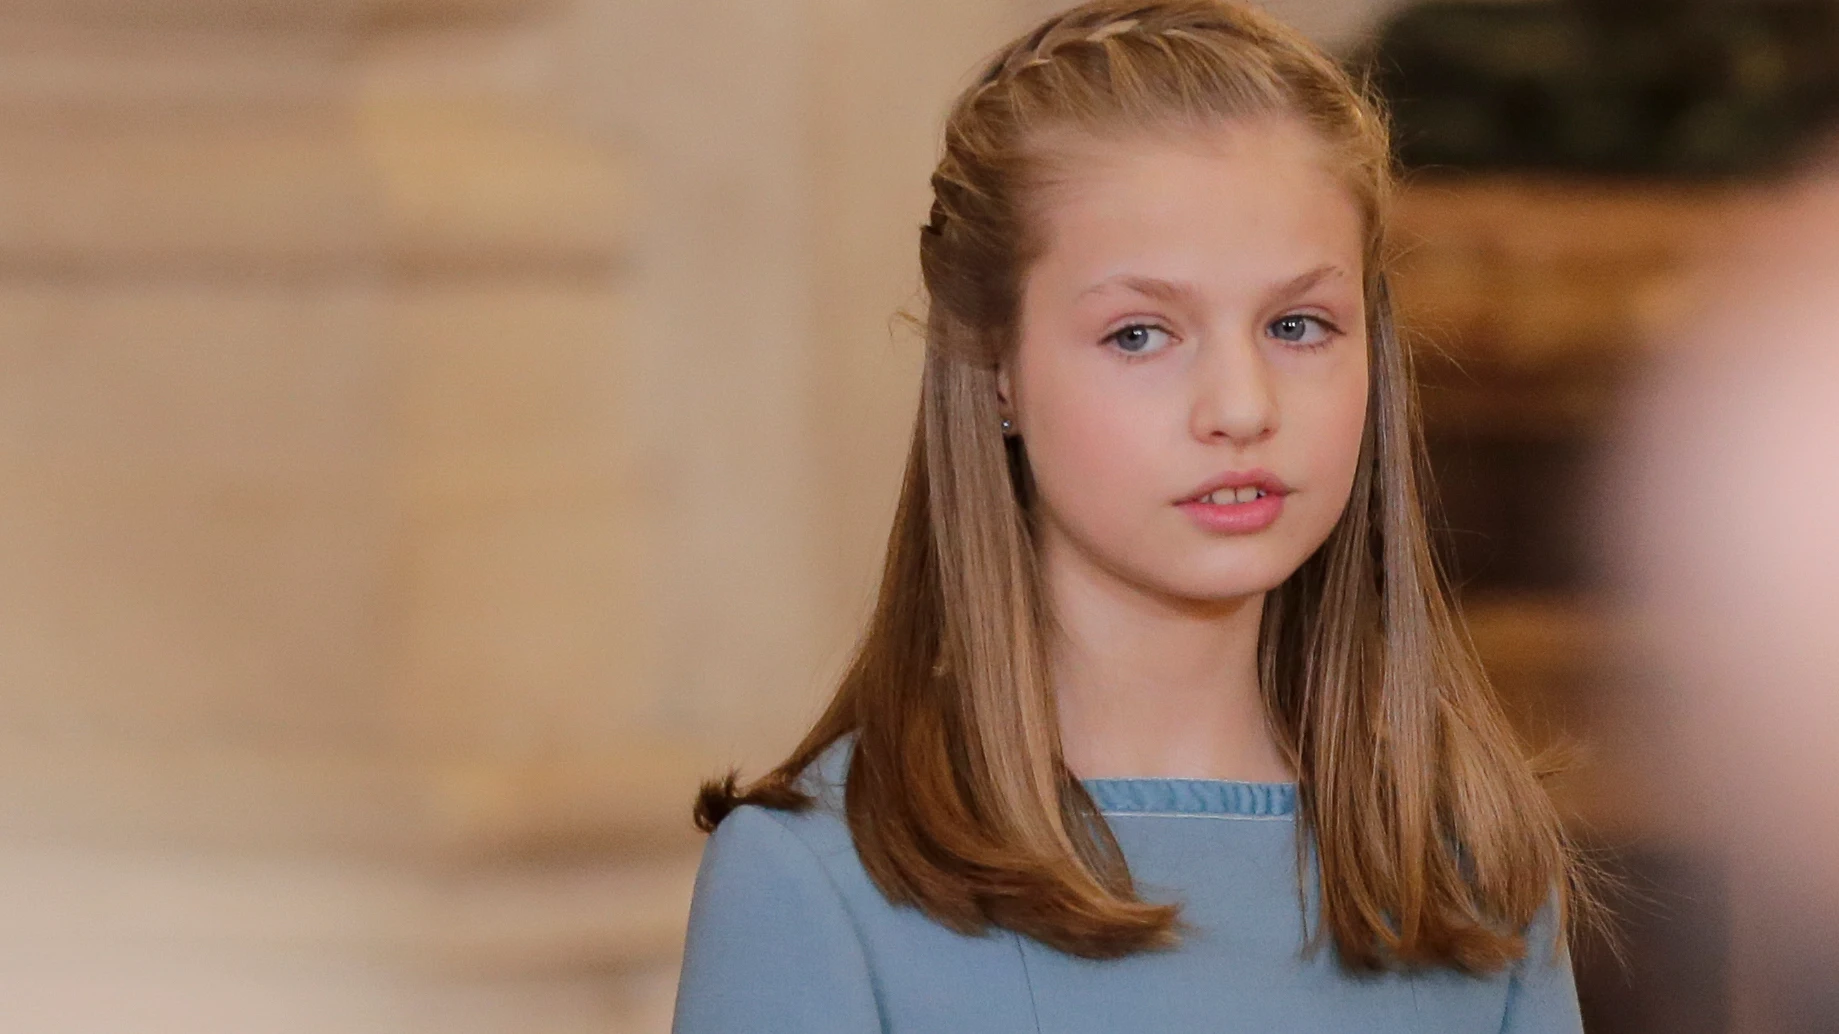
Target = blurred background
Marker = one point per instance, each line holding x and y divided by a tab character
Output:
436	433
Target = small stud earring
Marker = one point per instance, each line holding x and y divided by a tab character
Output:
1006	424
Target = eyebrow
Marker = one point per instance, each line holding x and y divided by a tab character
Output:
1302	284
1174	291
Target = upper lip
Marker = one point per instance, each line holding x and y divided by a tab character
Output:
1263	480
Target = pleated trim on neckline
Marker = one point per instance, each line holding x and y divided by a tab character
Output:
1192	796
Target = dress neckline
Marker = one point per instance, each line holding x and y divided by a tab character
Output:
1172	796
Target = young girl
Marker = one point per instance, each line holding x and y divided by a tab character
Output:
1163	721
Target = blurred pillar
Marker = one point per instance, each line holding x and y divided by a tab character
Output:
322	629
783	151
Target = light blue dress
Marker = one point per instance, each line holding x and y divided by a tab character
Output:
788	935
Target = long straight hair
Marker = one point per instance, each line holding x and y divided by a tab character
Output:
1435	842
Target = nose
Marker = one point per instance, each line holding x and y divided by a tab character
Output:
1234	398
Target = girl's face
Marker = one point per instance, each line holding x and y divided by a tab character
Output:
1190	381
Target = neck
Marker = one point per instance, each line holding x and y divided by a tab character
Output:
1150	684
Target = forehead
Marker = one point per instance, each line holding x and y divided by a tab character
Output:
1241	198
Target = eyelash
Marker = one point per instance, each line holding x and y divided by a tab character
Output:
1135	357
1331	330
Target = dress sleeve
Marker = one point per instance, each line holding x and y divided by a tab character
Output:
771	948
1542	993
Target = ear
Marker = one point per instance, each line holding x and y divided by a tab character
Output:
1003	405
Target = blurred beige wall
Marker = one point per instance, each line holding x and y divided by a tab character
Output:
435	433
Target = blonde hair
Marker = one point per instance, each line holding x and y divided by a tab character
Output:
1436	844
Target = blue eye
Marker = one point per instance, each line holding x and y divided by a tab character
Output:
1139	339
1307	331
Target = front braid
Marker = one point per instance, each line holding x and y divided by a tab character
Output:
991	104
1093	25
974	130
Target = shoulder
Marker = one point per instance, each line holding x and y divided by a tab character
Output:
826	775
757	841
788	934
773	943
1542	990
1548	935
824	826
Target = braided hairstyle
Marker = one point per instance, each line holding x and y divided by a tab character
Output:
1110	66
1435	842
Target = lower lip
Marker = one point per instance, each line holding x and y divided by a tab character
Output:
1236	518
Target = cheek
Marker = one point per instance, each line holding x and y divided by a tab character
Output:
1332	420
1093	440
1324	420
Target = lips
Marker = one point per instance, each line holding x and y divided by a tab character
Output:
1239	486
1237	503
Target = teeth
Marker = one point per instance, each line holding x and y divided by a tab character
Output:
1228	496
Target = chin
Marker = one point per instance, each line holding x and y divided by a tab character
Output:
1219	582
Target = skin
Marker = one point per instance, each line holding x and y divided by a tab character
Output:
1236	251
